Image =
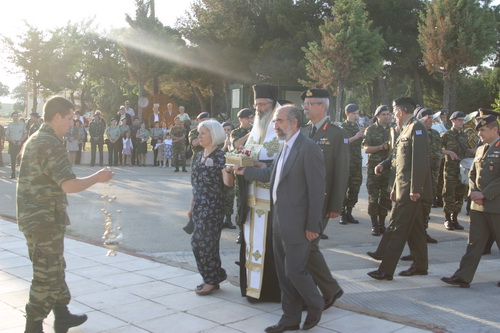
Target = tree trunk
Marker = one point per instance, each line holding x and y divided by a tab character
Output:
417	86
199	97
338	102
139	107
450	92
382	91
35	97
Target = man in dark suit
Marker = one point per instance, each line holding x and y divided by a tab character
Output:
122	114
484	191
412	185
297	193
334	144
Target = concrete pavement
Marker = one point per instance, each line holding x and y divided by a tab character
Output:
158	273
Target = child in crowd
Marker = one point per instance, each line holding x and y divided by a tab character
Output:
159	158
167	151
128	146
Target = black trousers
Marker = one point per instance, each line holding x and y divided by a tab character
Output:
93	146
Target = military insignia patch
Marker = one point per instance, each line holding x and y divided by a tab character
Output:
309	93
346	140
418	132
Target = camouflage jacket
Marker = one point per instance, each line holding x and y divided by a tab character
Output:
456	141
355	146
41	202
238	133
193	134
434	147
376	135
178	132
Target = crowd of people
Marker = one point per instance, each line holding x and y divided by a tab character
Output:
301	177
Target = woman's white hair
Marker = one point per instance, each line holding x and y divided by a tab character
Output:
216	131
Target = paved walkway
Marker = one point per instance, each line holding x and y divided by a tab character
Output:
133	294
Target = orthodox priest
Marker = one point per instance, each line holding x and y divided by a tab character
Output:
258	279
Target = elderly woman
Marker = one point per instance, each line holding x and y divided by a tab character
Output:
142	136
113	134
207	205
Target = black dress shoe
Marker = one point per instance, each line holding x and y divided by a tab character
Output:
330	301
449	225
378	275
456	281
323	236
238	239
498	284
430	240
312	320
280	328
407	258
412	271
374	255
457	226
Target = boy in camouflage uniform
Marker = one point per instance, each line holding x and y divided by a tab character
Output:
455	148
44	179
178	134
377	145
355	135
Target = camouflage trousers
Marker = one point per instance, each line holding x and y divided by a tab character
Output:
353	185
435	165
453	190
229	200
179	154
379	202
48	287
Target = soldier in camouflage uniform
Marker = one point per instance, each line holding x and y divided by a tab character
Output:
455	148
44	179
193	136
377	145
178	134
238	139
355	134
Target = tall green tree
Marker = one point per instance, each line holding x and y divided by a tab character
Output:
455	34
35	55
348	54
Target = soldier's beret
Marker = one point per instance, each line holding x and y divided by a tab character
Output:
319	93
34	114
443	111
457	114
484	121
244	113
203	115
485	112
350	108
269	91
227	123
424	112
381	108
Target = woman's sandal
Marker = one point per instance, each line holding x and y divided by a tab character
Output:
206	289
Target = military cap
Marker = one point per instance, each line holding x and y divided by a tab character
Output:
269	91
227	123
443	111
244	113
485	112
34	114
381	108
350	108
485	120
315	93
424	112
203	115
457	114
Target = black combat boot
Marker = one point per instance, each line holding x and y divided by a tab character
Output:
343	218
430	240
375	226
381	223
454	219
176	169
64	320
33	326
435	203
184	169
228	224
350	218
448	223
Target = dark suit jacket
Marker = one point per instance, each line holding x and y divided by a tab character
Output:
484	176
412	166
331	139
151	119
301	190
127	116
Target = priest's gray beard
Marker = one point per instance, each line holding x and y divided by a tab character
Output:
262	121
